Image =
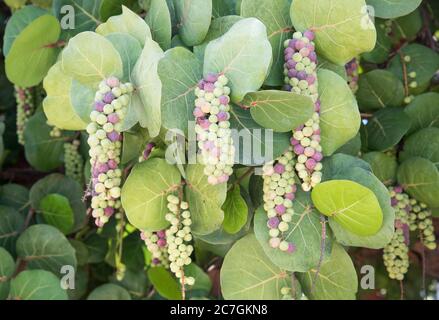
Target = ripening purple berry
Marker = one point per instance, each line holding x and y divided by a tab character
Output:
311	79
112	164
161	234
304	52
161	243
223	178
291	248
113	136
99	223
99	106
223	116
312	56
204	123
109	211
224	100
156	261
292	43
113	118
198	113
288	50
211	77
300	44
102	168
309	34
292	73
208	145
310	164
280	209
142	236
287	87
301	75
299	149
209	87
279	168
288	56
393	202
317	156
201	84
398	189
294	142
273	223
108	97
113	82
290	196
317	106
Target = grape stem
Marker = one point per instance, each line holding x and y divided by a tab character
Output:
239	180
322	251
404	72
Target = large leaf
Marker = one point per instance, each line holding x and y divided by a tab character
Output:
15	196
390	9
205	201
254	144
109	291
7	268
58	105
420	179
248	274
149	86
222	8
57	212
42	151
90	58
243	54
379	89
159	20
82	98
164	283
33	53
383	166
45	247
385	129
279	110
235	211
383	45
145	191
127	22
111	8
274	14
353	206
336	279
423	111
339	118
17	23
343	28
37	285
11	223
193	19
179	72
305	233
424	144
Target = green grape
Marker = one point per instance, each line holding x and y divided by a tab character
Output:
25	109
73	161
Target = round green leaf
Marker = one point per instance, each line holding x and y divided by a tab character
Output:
353	206
109	291
379	89
37	285
89	58
203	284
11	223
343	28
97	247
17	23
15	196
15	4
390	9
81	251
32	53
179	72
111	8
338	163
7	268
205	201
165	284
274	14
82	98
57	212
423	61
64	186
243	54
406	28
420	179
336	279
305	233
328	65
352	147
58	105
383	166
423	111
144	193
339	117
424	144
149	86
222	8
279	110
45	247
385	129
159	20
127	22
248	274
193	20
383	45
235	211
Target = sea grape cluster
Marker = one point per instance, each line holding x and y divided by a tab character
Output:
105	141
421	219
301	78
55	132
216	150
395	256
25	108
279	193
156	244
74	164
147	152
352	71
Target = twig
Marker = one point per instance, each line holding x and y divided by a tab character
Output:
239	180
404	72
401	289
423	288
322	251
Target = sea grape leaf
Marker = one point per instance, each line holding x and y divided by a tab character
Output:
424	144
279	110
339	117
15	196
385	129
379	89
164	283
82	98
221	8
235	211
11	223
7	268
149	86
109	291
205	201
274	14
352	147
391	9
32	53
353	206
423	111
248	274
420	179
243	54
335	280
111	8
383	45
45	247
343	28
37	285
328	65
145	191
305	233
383	166
193	20
159	20
179	71
128	22
57	212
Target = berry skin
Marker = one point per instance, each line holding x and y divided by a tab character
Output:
73	161
105	148
214	137
25	109
352	70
